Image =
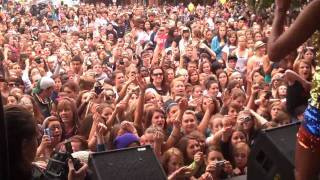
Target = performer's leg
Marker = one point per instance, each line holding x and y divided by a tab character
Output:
307	163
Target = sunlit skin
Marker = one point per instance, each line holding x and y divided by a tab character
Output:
237	137
189	123
241	158
304	70
275	111
158	119
192	148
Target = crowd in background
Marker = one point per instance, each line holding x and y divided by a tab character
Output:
193	82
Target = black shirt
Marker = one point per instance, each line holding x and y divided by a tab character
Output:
161	92
296	97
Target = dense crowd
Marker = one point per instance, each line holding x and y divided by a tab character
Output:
193	82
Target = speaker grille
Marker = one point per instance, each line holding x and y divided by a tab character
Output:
285	139
133	163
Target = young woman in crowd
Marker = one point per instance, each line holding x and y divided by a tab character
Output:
157	80
298	85
67	113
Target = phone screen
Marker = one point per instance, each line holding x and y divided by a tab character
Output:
47	132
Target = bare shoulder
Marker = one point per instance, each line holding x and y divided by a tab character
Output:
252	58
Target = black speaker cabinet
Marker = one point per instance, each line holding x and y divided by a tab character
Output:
132	163
243	177
272	154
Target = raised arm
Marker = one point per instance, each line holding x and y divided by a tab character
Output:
175	134
123	91
209	50
206	118
139	110
155	57
292	76
280	44
260	121
120	107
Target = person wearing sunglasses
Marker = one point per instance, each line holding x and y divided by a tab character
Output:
157	81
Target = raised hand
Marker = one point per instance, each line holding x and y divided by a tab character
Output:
45	142
227	167
158	137
211	105
27	62
121	106
96	118
101	129
127	127
226	132
141	82
177	123
255	89
226	98
183	104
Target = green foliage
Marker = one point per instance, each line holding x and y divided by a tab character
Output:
316	43
258	5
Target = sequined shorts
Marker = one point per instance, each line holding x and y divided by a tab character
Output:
307	140
311	121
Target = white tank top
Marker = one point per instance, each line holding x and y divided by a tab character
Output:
242	61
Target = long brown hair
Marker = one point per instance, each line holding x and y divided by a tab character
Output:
150	114
64	103
21	127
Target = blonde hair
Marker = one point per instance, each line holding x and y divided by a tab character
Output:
170	153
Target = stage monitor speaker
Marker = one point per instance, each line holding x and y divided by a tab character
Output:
272	154
242	177
132	163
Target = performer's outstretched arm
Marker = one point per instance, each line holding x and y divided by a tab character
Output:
282	43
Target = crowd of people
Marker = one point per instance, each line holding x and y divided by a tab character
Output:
193	82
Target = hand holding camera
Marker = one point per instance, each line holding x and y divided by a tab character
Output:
63	166
216	167
45	143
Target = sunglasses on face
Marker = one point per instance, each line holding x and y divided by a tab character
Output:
13	84
157	74
245	119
